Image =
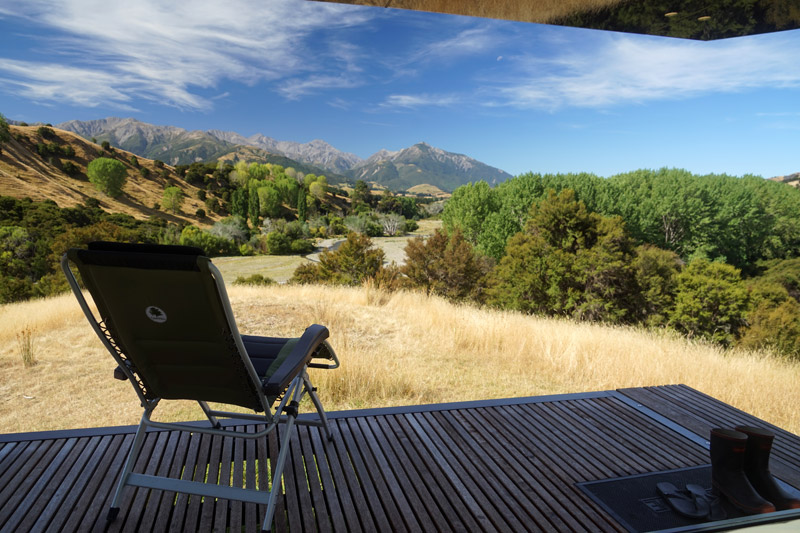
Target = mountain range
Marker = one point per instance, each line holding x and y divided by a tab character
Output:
397	170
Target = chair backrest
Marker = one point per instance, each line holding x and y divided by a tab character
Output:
164	311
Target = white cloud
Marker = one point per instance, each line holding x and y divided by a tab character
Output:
409	101
625	69
166	51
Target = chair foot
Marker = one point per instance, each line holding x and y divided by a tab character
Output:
112	514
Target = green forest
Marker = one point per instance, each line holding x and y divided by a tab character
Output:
712	257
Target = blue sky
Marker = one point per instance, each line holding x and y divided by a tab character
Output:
521	97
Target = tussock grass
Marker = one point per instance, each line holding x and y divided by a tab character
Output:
396	349
25	347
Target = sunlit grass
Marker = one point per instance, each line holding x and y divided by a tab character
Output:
396	349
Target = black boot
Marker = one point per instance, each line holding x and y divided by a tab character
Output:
756	467
727	472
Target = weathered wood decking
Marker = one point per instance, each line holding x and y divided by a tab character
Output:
504	465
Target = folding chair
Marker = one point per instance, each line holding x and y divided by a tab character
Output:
166	320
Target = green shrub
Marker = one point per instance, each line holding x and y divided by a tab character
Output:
255	279
354	262
70	168
278	243
711	302
302	246
446	265
45	132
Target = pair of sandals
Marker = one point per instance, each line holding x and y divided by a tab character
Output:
693	502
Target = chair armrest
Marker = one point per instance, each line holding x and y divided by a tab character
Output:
293	364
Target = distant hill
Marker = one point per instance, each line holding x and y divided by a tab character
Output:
429	190
24	172
791	179
425	164
167	143
317	153
400	170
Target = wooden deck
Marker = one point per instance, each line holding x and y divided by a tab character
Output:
503	465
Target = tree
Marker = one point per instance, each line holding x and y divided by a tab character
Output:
446	265
656	272
269	200
567	262
361	194
172	199
468	208
392	224
301	204
711	302
354	262
254	207
108	175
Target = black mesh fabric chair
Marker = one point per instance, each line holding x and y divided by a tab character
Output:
165	318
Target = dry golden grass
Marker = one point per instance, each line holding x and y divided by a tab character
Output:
396	349
540	11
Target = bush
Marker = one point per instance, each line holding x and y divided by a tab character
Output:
145	172
108	175
302	246
354	262
710	303
212	245
363	224
255	279
775	327
446	265
232	228
656	272
200	213
278	243
45	132
70	168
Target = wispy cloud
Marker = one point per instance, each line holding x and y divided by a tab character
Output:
111	52
624	69
410	101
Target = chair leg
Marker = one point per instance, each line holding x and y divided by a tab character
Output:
320	410
277	475
130	462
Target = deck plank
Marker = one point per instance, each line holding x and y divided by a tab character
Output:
504	465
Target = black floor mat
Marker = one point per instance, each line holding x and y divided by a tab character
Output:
634	502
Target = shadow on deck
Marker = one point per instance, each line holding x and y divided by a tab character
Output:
502	465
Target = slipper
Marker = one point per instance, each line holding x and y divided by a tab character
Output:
681	502
711	501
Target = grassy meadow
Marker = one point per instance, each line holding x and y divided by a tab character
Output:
396	349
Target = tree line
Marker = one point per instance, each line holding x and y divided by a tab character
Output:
552	255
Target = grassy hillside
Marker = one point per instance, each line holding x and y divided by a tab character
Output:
396	349
26	173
